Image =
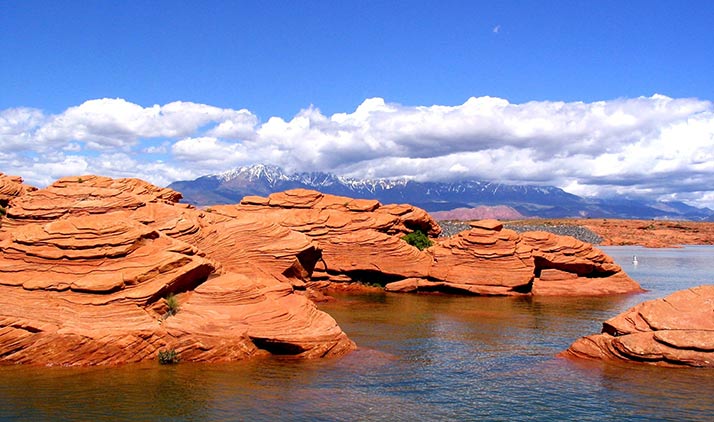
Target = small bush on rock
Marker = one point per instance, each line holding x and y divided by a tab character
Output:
418	239
172	304
168	357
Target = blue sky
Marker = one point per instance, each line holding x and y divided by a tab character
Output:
169	90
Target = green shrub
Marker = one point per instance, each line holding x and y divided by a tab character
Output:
418	239
172	304
168	357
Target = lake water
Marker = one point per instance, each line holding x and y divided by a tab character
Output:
421	357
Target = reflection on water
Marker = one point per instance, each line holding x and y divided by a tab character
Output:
421	356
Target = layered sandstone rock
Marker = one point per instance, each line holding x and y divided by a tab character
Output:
52	203
261	309
491	260
567	266
361	241
236	243
91	248
484	260
85	266
677	330
82	290
12	187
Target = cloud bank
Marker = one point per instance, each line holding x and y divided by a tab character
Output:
656	146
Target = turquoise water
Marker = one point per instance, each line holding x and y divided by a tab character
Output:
421	357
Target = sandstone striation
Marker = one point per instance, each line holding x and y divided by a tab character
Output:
361	241
12	187
86	263
567	266
677	330
489	259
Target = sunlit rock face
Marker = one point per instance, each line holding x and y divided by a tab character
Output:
12	187
677	330
86	265
361	241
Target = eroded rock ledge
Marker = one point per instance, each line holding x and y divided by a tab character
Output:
361	242
677	330
85	266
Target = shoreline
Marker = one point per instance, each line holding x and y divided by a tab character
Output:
612	232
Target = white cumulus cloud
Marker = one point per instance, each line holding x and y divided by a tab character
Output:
657	146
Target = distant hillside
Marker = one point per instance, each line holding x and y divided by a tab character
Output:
530	201
481	212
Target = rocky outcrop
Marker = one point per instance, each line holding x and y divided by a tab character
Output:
567	266
484	260
494	261
261	309
86	195
361	241
11	187
359	238
237	243
677	330
85	266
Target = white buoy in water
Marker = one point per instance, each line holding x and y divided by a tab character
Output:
634	259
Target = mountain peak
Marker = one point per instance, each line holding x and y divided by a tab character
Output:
251	173
529	200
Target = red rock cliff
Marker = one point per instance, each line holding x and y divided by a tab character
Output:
85	266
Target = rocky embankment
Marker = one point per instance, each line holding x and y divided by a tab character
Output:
452	227
647	233
609	232
652	233
677	330
87	267
361	242
99	271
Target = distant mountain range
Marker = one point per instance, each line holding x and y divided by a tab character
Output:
530	201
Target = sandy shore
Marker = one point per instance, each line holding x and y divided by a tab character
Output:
612	232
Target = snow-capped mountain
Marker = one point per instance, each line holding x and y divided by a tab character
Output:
542	201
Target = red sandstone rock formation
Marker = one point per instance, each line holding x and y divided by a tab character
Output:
12	187
677	330
491	260
568	266
361	241
92	248
85	265
86	195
